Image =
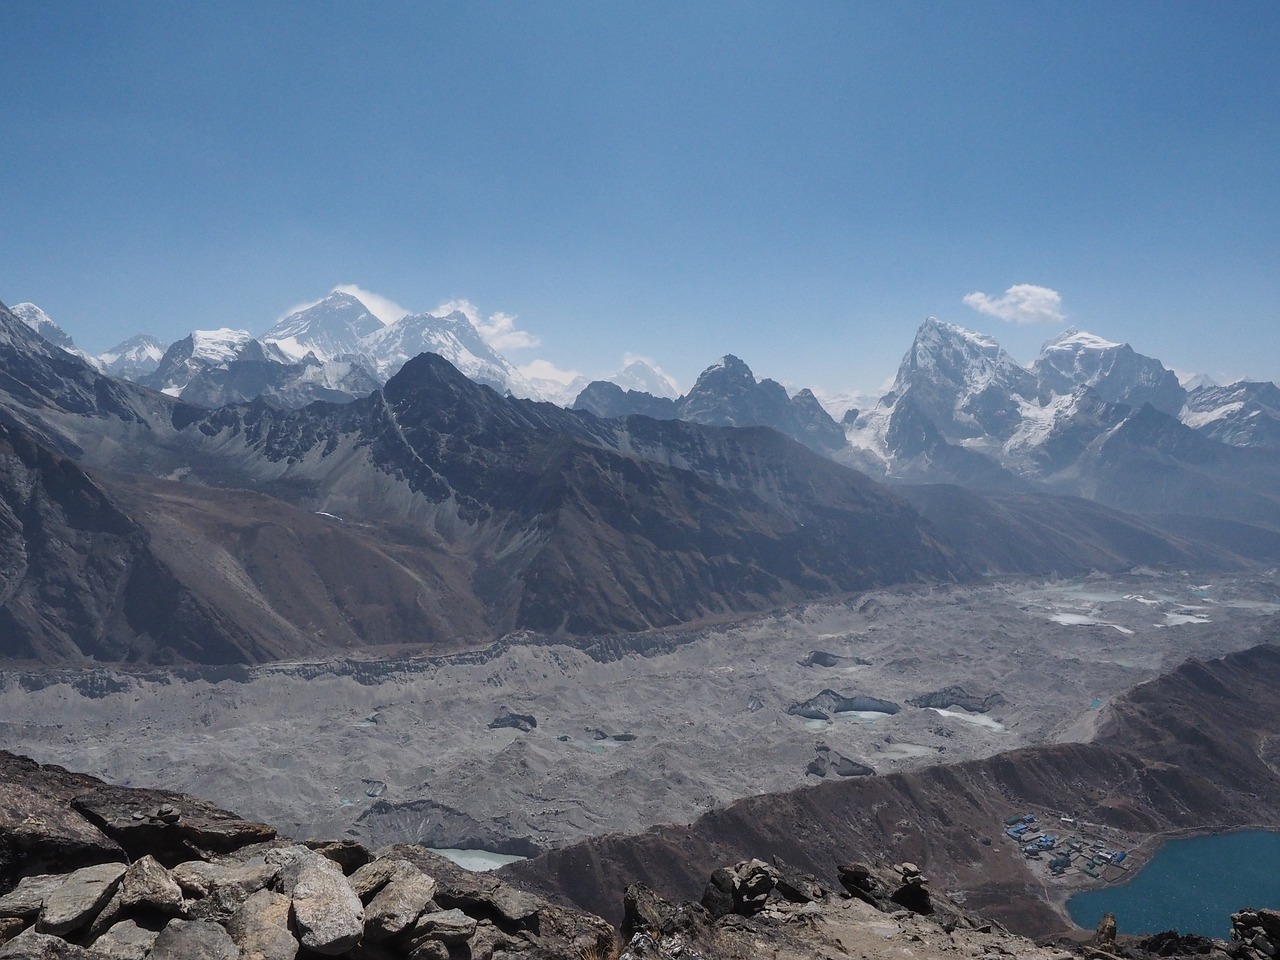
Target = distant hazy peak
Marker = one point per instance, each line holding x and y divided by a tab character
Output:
641	376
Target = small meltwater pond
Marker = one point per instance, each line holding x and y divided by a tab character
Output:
477	860
975	718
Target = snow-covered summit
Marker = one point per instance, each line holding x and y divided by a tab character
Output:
963	381
641	376
328	329
43	324
1115	370
453	337
218	346
132	358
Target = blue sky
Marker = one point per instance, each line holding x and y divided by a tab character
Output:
798	184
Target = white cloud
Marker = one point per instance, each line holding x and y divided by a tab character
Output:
499	331
386	310
1023	303
297	308
546	370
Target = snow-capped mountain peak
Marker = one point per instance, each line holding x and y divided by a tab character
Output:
957	355
641	376
218	346
1115	370
1075	340
453	337
328	329
43	324
132	358
963	381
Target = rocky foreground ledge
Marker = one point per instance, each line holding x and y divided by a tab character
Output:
92	871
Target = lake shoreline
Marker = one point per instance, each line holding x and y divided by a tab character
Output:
1144	852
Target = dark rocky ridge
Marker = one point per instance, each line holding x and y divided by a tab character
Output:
488	514
726	394
1189	751
450	516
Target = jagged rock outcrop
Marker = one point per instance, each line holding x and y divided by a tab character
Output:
726	394
259	898
828	702
524	722
605	399
957	697
827	761
1255	934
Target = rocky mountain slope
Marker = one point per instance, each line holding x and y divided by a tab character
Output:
500	514
478	514
726	394
98	871
1244	414
1187	751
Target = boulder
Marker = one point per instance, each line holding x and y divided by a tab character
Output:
347	854
447	926
260	927
170	826
26	899
329	917
227	885
31	945
753	881
194	940
395	907
373	876
717	895
489	941
79	898
482	895
147	885
428	950
125	941
42	833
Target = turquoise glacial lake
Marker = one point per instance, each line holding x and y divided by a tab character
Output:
1192	886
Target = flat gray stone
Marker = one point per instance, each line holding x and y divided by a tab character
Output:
260	927
79	899
447	926
31	945
26	899
200	879
194	940
372	877
124	941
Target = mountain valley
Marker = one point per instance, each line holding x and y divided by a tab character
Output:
352	581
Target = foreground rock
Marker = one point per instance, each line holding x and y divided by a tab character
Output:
278	900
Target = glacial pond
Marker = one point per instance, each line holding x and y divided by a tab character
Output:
477	860
1192	886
